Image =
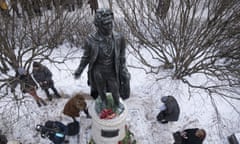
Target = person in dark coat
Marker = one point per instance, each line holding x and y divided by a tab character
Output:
190	136
14	6
36	6
162	8
79	3
69	5
93	5
26	7
47	4
3	138
169	111
4	8
44	77
104	53
27	85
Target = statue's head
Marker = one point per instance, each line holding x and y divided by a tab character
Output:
104	21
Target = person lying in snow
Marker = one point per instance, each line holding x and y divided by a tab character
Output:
189	136
27	85
169	111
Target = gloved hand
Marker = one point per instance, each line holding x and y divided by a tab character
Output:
77	74
24	91
12	90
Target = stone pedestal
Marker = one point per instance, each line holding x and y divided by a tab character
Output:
108	131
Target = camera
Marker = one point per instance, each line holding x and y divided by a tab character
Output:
45	132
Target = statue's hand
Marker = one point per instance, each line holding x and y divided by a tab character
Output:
77	74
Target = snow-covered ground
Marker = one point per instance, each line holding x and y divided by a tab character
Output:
143	105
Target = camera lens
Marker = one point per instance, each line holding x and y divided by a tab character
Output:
38	127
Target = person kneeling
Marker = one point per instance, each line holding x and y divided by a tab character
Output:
189	136
169	111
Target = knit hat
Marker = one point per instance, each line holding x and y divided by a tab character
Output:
164	99
36	64
21	71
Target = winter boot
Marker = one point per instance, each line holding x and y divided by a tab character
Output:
48	95
56	92
39	104
87	113
164	121
57	95
43	102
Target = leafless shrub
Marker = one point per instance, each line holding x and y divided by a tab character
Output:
24	40
195	37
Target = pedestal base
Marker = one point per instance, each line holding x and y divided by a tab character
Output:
108	131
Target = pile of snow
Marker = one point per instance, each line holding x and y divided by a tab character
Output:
143	105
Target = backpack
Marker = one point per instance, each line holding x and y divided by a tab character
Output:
73	128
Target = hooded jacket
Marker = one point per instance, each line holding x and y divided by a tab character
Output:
74	106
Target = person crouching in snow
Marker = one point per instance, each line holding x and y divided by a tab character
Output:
74	105
27	85
169	111
189	136
44	77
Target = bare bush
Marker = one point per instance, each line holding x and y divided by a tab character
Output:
188	38
24	40
193	37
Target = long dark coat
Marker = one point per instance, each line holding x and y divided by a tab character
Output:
93	5
43	74
192	138
91	50
172	112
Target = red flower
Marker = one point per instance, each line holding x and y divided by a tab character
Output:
107	114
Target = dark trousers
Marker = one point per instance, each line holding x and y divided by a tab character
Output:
106	82
54	90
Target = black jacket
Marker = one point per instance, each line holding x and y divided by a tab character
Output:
172	112
191	137
43	74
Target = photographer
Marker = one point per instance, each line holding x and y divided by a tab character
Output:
44	77
169	111
54	130
189	136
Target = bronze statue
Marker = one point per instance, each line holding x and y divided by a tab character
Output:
104	53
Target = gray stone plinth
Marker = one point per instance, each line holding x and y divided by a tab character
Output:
108	131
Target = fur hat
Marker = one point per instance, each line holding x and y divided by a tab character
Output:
36	64
75	105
